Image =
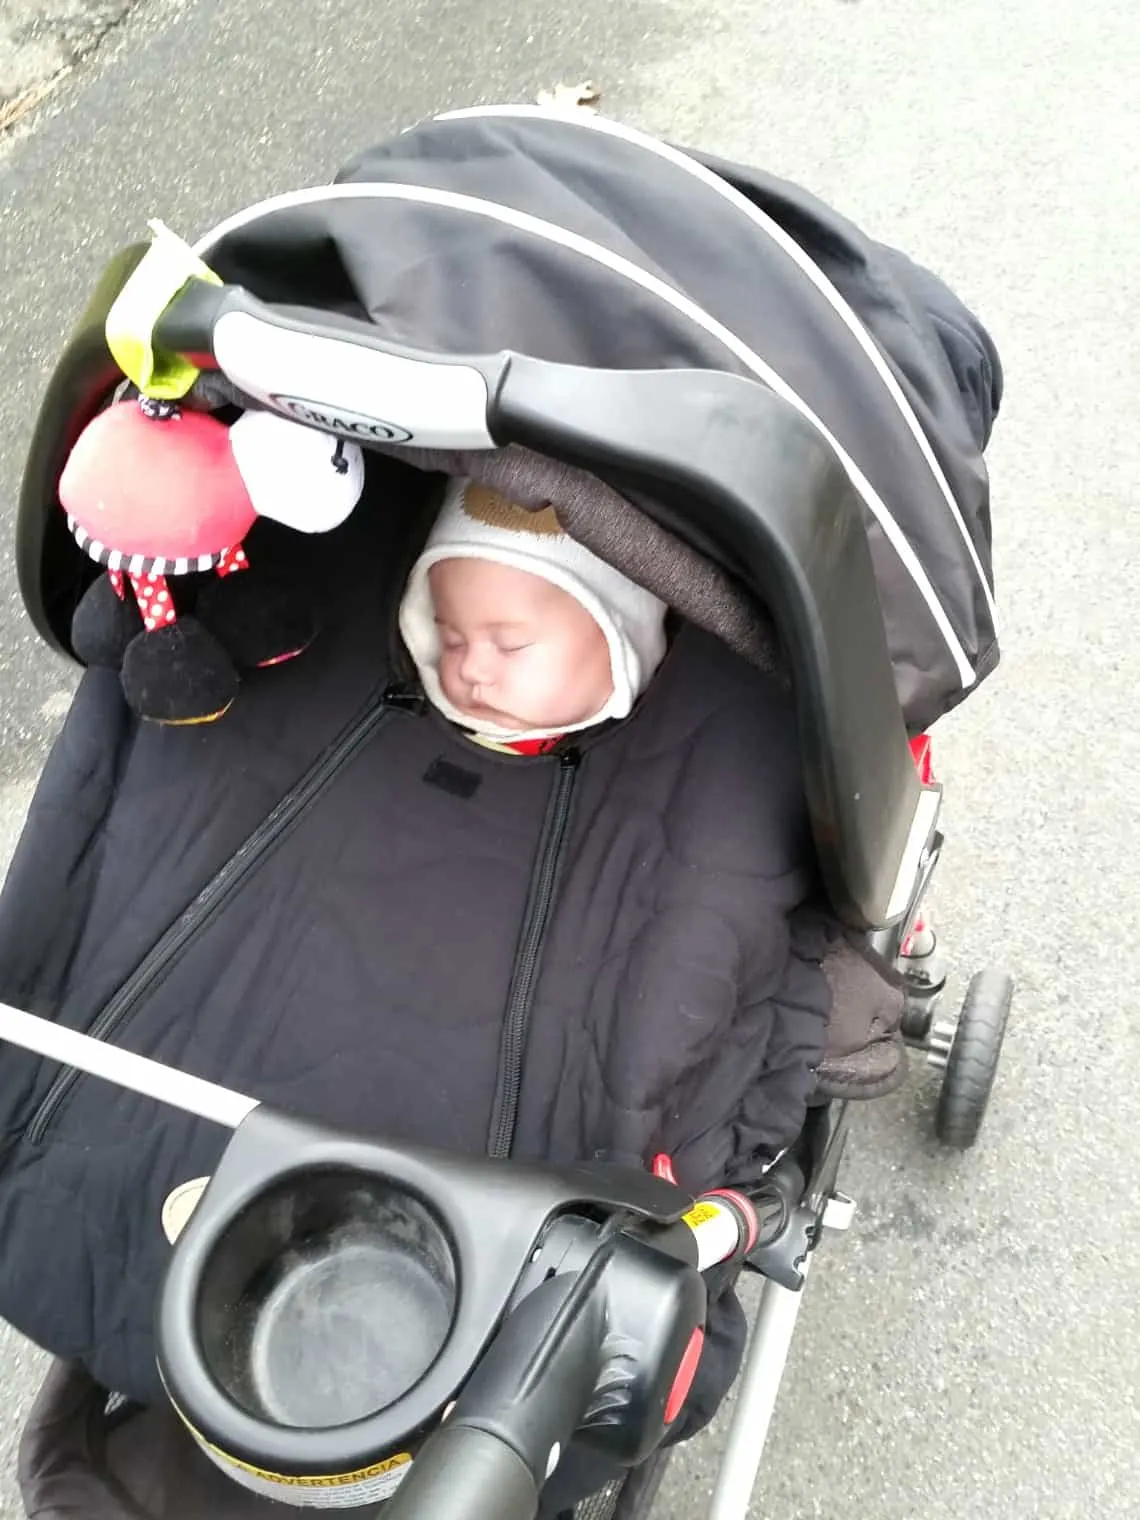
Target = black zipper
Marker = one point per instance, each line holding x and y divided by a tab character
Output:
218	891
544	881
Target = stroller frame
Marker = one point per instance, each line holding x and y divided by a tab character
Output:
822	1207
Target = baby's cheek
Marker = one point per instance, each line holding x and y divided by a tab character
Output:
447	671
592	682
573	685
530	681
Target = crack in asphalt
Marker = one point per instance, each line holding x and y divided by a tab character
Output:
41	41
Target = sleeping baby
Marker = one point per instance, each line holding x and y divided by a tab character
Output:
520	634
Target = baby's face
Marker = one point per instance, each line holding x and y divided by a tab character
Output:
516	651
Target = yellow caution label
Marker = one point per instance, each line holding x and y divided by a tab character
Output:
701	1213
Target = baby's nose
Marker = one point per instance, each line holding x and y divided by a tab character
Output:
476	668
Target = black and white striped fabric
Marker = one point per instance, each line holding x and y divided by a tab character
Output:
573	238
142	564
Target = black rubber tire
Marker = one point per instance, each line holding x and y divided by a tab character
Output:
916	1021
973	1061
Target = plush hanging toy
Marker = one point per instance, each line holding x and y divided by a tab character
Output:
163	497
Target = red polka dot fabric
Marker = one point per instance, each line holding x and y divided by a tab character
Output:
232	560
152	593
155	602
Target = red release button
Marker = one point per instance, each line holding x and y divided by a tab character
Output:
686	1372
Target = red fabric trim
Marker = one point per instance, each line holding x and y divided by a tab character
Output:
686	1372
745	1206
663	1168
921	751
534	746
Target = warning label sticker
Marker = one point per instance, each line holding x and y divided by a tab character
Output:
367	1485
701	1213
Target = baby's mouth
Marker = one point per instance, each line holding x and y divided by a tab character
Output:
475	709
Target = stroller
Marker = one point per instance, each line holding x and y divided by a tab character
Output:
790	420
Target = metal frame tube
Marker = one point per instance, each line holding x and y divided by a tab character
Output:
141	1075
757	1389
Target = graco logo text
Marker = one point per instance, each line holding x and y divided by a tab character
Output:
340	421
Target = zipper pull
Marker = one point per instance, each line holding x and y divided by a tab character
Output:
405	696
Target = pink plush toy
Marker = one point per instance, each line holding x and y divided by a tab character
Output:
162	496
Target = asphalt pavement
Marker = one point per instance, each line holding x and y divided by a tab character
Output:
971	1347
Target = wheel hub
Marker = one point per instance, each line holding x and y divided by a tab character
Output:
939	1043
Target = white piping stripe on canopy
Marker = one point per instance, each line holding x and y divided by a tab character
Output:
535	226
787	245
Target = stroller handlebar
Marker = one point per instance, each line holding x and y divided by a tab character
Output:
585	1290
581	1314
521	1405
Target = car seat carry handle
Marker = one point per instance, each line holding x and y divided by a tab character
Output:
715	457
732	468
335	373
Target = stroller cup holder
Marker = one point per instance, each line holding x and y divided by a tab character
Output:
326	1300
332	1299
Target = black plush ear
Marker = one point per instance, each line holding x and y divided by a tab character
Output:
179	674
256	618
103	625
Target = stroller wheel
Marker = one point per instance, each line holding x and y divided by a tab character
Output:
968	1053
